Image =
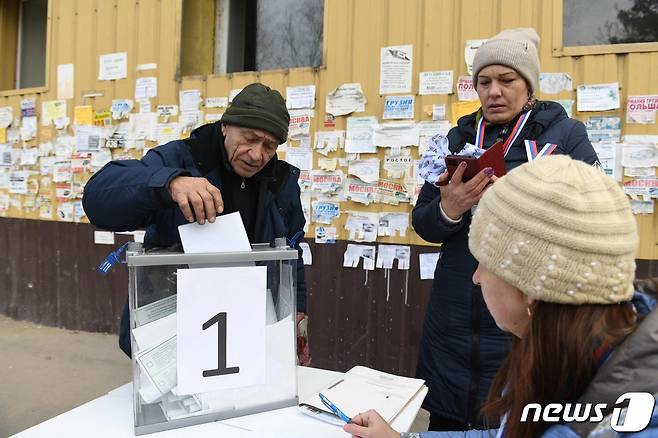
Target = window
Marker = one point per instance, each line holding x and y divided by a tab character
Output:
227	36
23	42
606	22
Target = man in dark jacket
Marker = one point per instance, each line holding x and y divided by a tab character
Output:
224	167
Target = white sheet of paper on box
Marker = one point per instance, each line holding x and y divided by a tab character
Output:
226	234
236	296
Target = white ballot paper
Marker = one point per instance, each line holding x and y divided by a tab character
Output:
226	234
221	328
363	388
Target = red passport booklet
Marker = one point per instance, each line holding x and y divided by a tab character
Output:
494	157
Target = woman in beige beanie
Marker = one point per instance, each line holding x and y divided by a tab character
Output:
555	240
461	347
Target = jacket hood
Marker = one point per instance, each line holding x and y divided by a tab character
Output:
631	367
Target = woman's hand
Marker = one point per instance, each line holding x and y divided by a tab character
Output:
458	197
370	425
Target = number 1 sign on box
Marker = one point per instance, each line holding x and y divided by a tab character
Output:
221	328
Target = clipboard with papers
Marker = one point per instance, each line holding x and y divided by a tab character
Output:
363	388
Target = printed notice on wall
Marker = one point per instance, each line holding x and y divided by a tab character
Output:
469	53
553	83
345	99
599	97
399	107
642	109
465	89
65	81
435	82
395	69
113	66
300	97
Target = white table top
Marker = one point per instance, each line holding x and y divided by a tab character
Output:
112	416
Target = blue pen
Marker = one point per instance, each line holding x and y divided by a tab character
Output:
334	408
294	240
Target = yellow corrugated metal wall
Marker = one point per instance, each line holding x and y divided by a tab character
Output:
354	32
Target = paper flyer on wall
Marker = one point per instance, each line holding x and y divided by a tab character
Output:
300	123
216	102
642	109
329	141
113	66
609	154
395	69
324	212
189	100
6	116
327	182
362	226
391	192
345	99
355	253
428	263
65	79
642	207
359	135
146	88
367	170
398	166
554	83
639	155
598	97
392	223
469	53
603	128
361	192
465	89
396	134
439	111
435	82
300	97
166	111
643	189
325	234
427	130
386	254
301	158
398	107
52	110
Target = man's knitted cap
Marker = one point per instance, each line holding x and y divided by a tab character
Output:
260	107
514	48
560	231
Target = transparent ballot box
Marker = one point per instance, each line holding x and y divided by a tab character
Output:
213	334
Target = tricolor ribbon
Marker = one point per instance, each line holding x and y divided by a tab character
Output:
511	138
533	153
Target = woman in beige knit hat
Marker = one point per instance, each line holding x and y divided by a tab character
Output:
461	347
555	240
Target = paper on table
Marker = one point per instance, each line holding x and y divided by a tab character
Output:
363	388
226	234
